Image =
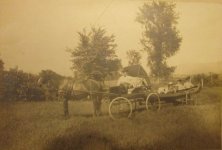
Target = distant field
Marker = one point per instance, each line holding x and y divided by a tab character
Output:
41	126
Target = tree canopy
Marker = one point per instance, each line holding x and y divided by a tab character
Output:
19	85
160	38
50	83
95	52
134	57
1	78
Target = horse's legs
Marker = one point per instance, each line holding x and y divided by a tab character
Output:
96	105
66	107
99	103
93	98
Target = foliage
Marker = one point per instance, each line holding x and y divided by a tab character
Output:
211	79
134	57
1	78
50	78
160	39
95	51
19	85
1	65
50	83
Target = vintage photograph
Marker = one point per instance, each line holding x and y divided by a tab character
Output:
110	74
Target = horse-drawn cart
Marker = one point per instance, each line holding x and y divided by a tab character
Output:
122	100
123	105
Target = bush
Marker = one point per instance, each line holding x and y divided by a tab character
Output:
19	85
211	79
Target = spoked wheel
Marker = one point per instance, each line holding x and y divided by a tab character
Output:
120	107
153	102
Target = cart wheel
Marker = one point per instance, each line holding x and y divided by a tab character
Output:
153	102
120	107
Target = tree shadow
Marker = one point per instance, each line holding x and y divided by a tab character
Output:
85	140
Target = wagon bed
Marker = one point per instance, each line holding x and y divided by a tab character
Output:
124	103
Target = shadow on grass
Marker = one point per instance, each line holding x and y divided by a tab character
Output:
190	128
90	140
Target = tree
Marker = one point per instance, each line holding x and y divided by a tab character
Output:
161	38
19	85
1	78
50	83
95	52
134	57
50	78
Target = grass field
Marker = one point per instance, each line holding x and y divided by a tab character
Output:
41	126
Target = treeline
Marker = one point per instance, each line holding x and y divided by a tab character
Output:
16	84
210	79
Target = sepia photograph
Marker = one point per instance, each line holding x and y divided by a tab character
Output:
110	74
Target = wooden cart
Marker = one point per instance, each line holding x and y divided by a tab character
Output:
123	105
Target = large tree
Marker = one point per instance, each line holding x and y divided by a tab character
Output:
1	78
19	85
134	57
50	83
161	38
95	52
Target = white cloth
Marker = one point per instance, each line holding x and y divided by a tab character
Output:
188	85
166	89
132	81
162	90
179	86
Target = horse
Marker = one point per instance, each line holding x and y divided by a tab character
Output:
82	89
77	89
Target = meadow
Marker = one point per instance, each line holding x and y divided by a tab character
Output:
42	126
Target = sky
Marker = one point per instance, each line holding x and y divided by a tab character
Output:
35	34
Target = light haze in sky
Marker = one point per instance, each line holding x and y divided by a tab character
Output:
34	35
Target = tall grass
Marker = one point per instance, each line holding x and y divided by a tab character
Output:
41	125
